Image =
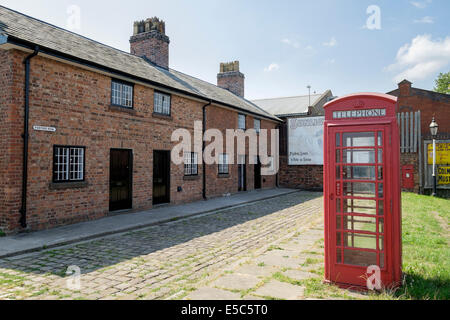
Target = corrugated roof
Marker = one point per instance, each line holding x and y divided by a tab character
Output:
288	105
20	26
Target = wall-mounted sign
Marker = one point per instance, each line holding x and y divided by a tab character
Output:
442	153
305	141
42	128
443	175
362	113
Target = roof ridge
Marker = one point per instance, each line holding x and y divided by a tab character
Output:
65	30
288	97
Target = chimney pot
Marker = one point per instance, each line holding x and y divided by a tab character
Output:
149	40
231	78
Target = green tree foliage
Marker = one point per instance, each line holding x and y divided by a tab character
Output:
443	83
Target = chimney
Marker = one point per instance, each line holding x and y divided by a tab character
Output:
149	40
230	78
404	88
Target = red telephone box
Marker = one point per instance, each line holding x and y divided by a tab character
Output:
362	190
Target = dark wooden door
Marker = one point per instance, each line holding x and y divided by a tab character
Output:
161	177
120	179
257	170
242	174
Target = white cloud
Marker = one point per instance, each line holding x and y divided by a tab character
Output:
330	61
272	67
426	19
421	58
421	4
331	43
291	42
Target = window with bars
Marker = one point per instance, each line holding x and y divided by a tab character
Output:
257	125
121	94
190	164
223	163
68	163
161	103
241	121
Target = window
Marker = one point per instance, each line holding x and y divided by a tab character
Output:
190	164
68	164
241	121
161	103
121	94
257	125
223	163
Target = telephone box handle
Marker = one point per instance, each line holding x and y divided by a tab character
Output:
332	196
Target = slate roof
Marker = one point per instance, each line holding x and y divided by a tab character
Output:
15	25
286	106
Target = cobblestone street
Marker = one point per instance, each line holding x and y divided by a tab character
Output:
260	250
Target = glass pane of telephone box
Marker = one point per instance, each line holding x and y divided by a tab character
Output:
360	258
356	223
359	139
359	189
365	206
358	156
359	172
360	240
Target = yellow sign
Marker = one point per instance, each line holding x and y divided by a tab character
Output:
443	175
442	153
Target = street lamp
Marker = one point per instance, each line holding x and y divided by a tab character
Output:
434	129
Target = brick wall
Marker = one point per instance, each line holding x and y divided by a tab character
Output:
411	159
218	185
308	177
77	103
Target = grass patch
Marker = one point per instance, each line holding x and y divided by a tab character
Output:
426	254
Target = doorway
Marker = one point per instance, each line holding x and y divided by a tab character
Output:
242	174
120	179
257	171
161	176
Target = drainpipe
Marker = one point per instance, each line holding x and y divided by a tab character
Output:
203	148
25	136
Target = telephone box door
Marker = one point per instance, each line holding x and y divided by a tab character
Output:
359	202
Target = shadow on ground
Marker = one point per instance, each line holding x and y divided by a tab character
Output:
101	253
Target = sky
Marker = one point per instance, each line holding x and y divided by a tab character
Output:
347	46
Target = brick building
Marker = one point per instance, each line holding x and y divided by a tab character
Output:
413	157
304	176
86	128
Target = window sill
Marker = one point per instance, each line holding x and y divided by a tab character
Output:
162	116
196	177
122	109
223	175
68	185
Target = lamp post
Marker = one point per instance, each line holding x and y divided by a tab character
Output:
434	129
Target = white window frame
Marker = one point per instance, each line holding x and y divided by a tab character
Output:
68	163
223	166
121	94
190	163
257	125
241	121
162	103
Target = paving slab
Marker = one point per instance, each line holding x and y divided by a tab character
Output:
255	270
236	282
206	293
274	259
280	290
300	275
39	240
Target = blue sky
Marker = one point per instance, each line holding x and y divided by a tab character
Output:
282	46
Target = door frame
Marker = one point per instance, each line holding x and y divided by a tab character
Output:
130	177
167	198
244	179
257	164
346	273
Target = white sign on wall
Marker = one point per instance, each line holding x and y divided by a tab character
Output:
305	141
